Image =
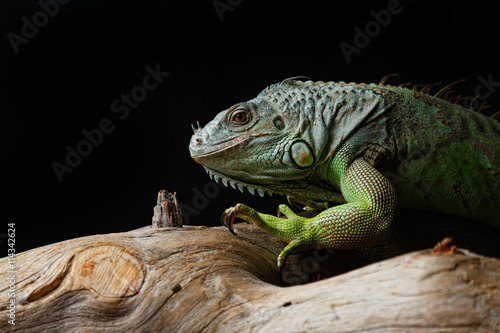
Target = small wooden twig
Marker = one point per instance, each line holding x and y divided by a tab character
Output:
167	212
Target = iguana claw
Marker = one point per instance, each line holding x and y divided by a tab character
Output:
295	204
227	218
241	211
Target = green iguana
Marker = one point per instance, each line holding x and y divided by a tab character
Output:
358	152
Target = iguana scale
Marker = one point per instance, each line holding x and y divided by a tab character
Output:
358	152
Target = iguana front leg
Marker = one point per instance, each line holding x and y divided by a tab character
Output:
368	215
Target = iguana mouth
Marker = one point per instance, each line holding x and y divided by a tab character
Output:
222	149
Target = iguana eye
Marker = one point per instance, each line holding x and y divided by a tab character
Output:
240	116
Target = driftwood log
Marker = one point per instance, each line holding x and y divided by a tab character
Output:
200	279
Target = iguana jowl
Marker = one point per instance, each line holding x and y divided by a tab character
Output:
359	152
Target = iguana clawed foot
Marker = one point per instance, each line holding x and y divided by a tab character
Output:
294	229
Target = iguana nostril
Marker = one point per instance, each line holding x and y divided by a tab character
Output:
197	141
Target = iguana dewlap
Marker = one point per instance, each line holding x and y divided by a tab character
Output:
359	152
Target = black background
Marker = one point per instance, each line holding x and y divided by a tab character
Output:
64	79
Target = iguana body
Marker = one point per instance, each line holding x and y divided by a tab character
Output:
357	151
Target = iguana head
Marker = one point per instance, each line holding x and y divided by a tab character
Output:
282	140
262	145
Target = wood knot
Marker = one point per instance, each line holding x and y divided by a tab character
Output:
110	271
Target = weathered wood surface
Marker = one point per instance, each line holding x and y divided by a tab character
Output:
199	279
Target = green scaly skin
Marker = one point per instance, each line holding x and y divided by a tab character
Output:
364	149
